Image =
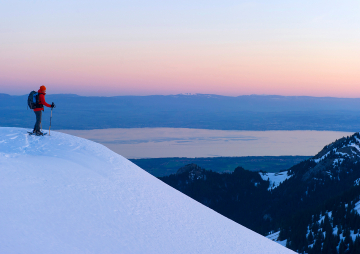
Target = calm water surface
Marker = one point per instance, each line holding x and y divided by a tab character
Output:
181	142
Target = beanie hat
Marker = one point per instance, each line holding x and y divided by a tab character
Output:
42	88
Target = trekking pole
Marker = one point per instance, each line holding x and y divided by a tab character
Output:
50	121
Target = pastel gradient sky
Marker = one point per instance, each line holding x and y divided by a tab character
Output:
138	47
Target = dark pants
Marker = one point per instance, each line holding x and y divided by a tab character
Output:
38	120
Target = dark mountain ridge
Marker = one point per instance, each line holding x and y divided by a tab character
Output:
324	184
316	187
328	173
225	193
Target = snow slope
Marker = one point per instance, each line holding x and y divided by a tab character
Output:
63	194
275	178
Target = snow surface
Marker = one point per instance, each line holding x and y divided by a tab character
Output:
275	178
355	146
357	182
335	229
343	154
323	157
357	207
64	194
274	237
338	161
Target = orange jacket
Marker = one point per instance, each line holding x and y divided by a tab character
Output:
42	101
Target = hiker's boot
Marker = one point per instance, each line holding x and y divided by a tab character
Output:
39	133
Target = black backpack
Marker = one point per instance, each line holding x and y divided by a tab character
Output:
33	100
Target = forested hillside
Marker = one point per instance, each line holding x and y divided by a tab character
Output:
167	166
240	195
315	206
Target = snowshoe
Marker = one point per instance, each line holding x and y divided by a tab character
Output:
38	133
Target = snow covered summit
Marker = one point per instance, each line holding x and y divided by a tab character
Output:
63	194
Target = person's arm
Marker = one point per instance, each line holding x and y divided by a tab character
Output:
42	100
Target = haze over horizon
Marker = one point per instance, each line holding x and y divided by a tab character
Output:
142	48
185	94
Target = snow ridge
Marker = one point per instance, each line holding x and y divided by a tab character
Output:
64	194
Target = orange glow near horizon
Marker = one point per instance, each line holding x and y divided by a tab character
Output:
227	48
226	70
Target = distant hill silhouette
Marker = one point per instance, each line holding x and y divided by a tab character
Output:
202	111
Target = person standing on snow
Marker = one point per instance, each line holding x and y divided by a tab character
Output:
39	108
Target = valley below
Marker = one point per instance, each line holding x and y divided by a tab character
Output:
312	207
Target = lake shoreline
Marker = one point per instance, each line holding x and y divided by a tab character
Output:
136	143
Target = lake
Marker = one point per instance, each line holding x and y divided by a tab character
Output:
136	143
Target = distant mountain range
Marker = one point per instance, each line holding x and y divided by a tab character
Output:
253	112
314	207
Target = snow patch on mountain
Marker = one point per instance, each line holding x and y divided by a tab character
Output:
322	158
64	194
336	231
275	178
357	207
355	146
357	182
337	162
343	154
275	237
